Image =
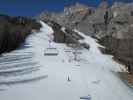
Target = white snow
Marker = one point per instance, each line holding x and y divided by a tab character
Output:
92	75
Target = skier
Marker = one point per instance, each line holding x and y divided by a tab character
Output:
68	79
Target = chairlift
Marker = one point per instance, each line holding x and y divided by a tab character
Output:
77	52
51	52
76	55
85	97
68	50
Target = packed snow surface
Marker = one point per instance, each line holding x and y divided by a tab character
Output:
28	74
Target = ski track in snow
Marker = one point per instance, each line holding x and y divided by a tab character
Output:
26	74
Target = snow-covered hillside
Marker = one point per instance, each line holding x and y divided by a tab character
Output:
26	74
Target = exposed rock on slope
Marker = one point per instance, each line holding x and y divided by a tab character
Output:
120	32
62	34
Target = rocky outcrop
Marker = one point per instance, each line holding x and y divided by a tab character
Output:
63	35
70	17
120	32
14	30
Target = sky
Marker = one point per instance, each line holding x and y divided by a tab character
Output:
34	7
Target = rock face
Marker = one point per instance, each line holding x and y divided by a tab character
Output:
60	35
112	26
121	31
70	17
14	30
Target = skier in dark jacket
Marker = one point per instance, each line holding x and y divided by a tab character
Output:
68	79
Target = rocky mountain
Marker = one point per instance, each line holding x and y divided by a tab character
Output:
14	30
112	26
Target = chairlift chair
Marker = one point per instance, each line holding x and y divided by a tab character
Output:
51	52
85	97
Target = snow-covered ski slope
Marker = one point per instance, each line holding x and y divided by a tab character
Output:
26	74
